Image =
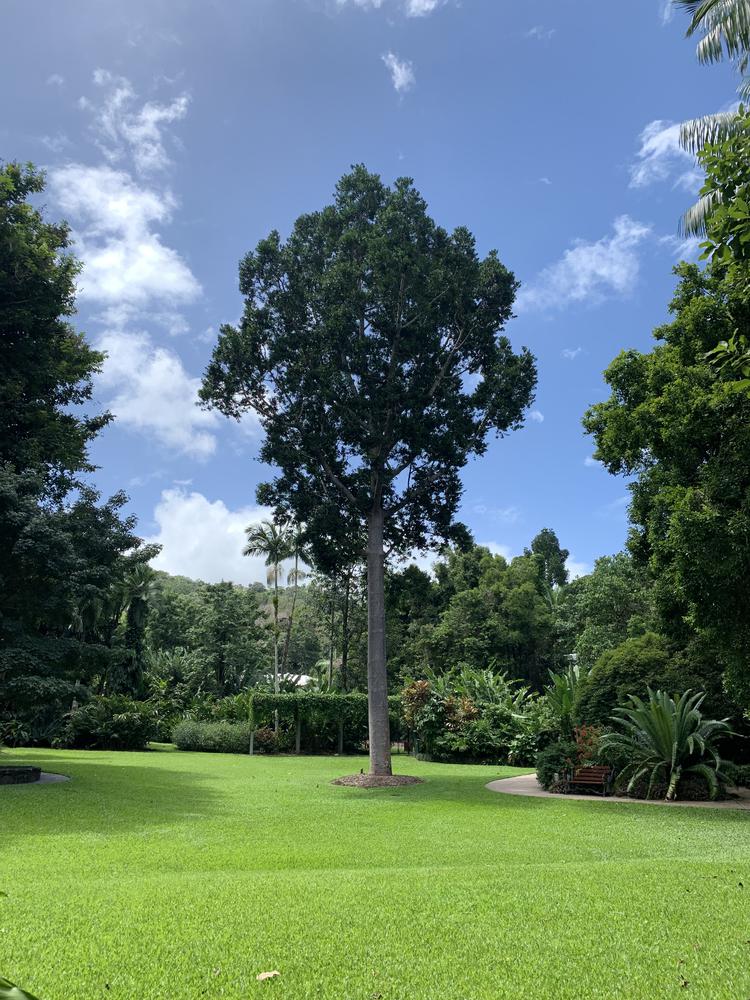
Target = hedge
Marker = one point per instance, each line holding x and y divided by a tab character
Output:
214	737
313	713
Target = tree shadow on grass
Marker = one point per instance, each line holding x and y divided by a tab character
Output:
108	794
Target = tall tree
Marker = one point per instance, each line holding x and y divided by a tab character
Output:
551	556
63	553
295	576
684	434
370	349
275	543
46	366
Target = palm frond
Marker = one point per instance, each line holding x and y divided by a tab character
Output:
723	24
693	222
696	133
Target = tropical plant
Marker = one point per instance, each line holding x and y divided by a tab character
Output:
295	576
275	542
484	687
561	693
723	27
665	739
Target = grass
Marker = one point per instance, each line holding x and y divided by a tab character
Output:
176	876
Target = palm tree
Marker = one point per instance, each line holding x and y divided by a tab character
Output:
296	574
724	30
138	587
274	542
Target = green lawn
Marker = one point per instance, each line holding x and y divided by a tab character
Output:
171	876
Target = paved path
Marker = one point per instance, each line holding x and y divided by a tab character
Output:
526	784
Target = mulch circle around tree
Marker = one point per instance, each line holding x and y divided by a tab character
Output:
377	780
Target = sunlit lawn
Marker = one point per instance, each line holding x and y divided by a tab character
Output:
170	876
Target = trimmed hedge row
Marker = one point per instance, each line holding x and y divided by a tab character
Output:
214	737
309	721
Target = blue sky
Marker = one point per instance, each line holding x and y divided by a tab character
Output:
175	135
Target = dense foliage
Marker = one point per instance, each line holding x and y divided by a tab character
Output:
685	435
71	565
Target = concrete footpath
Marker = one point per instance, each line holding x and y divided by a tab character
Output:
526	784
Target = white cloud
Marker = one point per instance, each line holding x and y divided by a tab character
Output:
498	550
56	143
55	80
683	249
153	393
123	129
660	157
411	8
592	463
126	264
203	539
540	33
571	353
666	11
508	514
402	72
589	272
537	416
420	8
576	568
136	280
545	180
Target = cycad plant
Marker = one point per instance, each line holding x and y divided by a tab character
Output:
666	738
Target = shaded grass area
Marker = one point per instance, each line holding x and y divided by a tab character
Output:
173	876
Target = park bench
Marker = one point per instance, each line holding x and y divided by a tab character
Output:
592	777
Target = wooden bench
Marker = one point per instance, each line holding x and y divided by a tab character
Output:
592	777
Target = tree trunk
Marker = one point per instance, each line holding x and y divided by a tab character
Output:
345	633
288	636
377	677
276	642
331	632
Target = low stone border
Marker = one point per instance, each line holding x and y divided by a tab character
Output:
46	778
526	784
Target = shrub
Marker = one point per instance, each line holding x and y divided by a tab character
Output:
113	723
473	740
213	737
555	761
524	748
737	774
666	739
629	669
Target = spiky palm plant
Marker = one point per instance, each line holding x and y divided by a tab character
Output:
666	738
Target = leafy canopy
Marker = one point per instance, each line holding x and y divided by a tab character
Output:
370	349
684	434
